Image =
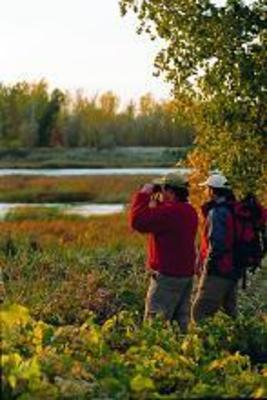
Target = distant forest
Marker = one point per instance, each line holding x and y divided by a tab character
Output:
32	116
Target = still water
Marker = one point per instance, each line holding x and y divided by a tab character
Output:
89	171
81	209
84	210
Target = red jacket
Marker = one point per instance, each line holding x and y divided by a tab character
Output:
172	228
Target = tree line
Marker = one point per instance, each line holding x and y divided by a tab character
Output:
32	116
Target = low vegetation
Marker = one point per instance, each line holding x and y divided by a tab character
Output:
72	322
116	157
94	189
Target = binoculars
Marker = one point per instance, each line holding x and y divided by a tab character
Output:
157	188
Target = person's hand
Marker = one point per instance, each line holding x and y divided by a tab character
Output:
147	188
153	203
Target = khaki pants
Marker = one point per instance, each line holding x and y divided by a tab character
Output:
171	297
214	293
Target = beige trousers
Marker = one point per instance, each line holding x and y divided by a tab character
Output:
171	297
214	293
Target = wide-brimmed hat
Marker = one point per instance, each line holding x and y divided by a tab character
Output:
217	181
173	179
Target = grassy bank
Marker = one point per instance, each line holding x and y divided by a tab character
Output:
96	189
72	322
91	158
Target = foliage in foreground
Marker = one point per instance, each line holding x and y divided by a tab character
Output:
72	323
122	359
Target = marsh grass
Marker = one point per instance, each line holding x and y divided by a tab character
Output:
111	231
62	268
116	157
21	213
81	336
47	258
97	189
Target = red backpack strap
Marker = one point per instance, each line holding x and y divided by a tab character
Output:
249	242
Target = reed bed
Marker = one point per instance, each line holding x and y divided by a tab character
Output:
92	232
97	189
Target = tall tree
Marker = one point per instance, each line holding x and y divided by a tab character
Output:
109	103
30	117
47	122
215	57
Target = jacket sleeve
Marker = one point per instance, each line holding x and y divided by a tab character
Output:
148	220
218	232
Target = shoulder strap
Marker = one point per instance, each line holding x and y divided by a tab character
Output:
242	271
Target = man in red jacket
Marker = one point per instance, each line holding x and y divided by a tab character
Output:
171	255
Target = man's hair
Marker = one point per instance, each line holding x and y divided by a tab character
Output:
220	192
181	193
230	196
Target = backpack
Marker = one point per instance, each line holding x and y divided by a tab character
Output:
249	236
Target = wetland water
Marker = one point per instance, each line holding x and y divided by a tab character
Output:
88	171
84	209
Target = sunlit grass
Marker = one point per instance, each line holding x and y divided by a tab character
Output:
92	232
97	189
44	262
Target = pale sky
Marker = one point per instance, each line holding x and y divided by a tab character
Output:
76	44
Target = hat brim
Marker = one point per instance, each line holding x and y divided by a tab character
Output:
159	181
177	184
164	180
203	184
